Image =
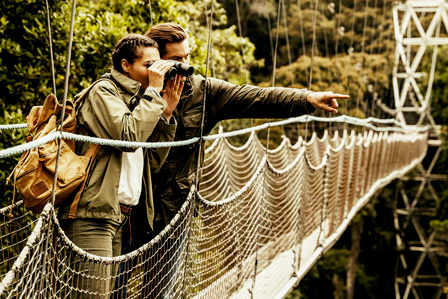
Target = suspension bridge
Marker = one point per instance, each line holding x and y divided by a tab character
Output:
260	217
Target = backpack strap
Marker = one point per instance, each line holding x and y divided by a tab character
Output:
81	98
93	150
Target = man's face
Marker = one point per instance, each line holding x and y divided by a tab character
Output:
178	51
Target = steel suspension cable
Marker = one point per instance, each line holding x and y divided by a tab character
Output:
50	44
240	31
288	48
310	80
327	50
361	65
302	33
338	31
351	49
64	99
372	44
327	55
201	136
59	140
274	59
269	31
204	97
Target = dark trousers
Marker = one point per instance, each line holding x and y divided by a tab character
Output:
142	266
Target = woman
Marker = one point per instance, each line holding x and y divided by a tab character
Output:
136	111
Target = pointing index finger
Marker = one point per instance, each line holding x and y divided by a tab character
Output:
340	96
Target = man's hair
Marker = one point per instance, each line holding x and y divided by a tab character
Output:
166	33
129	48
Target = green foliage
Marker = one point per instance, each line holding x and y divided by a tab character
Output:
25	61
15	136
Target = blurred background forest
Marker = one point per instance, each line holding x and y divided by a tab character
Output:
344	47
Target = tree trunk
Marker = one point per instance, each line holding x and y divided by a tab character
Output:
356	228
338	287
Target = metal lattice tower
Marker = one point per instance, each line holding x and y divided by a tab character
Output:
420	28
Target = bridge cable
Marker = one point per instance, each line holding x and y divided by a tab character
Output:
268	18
288	49
313	45
351	49
372	43
60	129
302	37
201	136
379	94
240	31
361	64
302	34
339	30
246	73
50	43
64	99
328	56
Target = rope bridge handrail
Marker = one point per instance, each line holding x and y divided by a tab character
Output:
120	143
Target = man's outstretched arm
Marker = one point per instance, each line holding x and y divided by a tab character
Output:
227	101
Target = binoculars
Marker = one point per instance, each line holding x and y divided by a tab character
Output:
178	68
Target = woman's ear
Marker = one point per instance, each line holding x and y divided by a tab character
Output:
125	65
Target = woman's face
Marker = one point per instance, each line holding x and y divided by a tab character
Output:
138	70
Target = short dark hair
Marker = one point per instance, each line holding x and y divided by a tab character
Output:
166	33
129	48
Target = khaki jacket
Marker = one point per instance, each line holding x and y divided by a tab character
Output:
106	114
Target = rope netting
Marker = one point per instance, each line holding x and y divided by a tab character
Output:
261	218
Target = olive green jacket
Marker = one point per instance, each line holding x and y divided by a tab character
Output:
222	101
106	114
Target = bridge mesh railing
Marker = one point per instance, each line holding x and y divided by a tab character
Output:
261	218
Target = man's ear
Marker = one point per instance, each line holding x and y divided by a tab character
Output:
125	65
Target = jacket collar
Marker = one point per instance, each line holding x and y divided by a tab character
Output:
131	86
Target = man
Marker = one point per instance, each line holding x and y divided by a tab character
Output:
223	100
